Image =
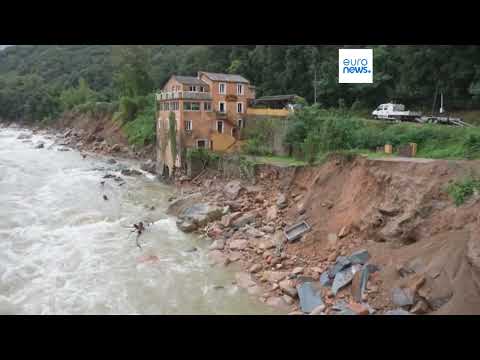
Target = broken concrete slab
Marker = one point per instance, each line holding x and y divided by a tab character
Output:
359	257
359	283
325	280
341	263
309	296
296	231
343	278
403	297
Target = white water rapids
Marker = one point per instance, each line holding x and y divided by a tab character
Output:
65	250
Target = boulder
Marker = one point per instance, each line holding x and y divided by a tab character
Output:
40	145
252	232
218	245
245	219
266	244
114	148
255	268
130	172
186	226
176	207
268	229
297	270
232	189
111	161
275	276
201	214
288	299
234	256
229	218
281	201
238	244
271	214
234	205
287	287
24	136
149	166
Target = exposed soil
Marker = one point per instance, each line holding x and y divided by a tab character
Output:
398	210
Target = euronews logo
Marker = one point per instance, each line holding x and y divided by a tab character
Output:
355	66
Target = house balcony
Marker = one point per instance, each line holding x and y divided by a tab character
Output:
183	95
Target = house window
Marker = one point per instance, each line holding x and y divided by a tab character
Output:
220	126
177	107
222	107
201	144
160	107
193	88
207	106
240	123
240	107
191	106
239	89
167	106
188	125
222	88
202	89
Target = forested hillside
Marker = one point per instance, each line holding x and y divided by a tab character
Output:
40	81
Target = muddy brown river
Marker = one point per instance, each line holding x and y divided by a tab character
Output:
66	250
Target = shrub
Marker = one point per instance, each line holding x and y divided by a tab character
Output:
460	191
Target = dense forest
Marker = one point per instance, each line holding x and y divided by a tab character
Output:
39	82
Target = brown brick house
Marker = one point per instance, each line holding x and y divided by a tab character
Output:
209	110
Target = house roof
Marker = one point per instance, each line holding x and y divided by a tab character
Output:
278	98
189	80
224	77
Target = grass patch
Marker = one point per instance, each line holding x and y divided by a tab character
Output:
278	160
461	191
